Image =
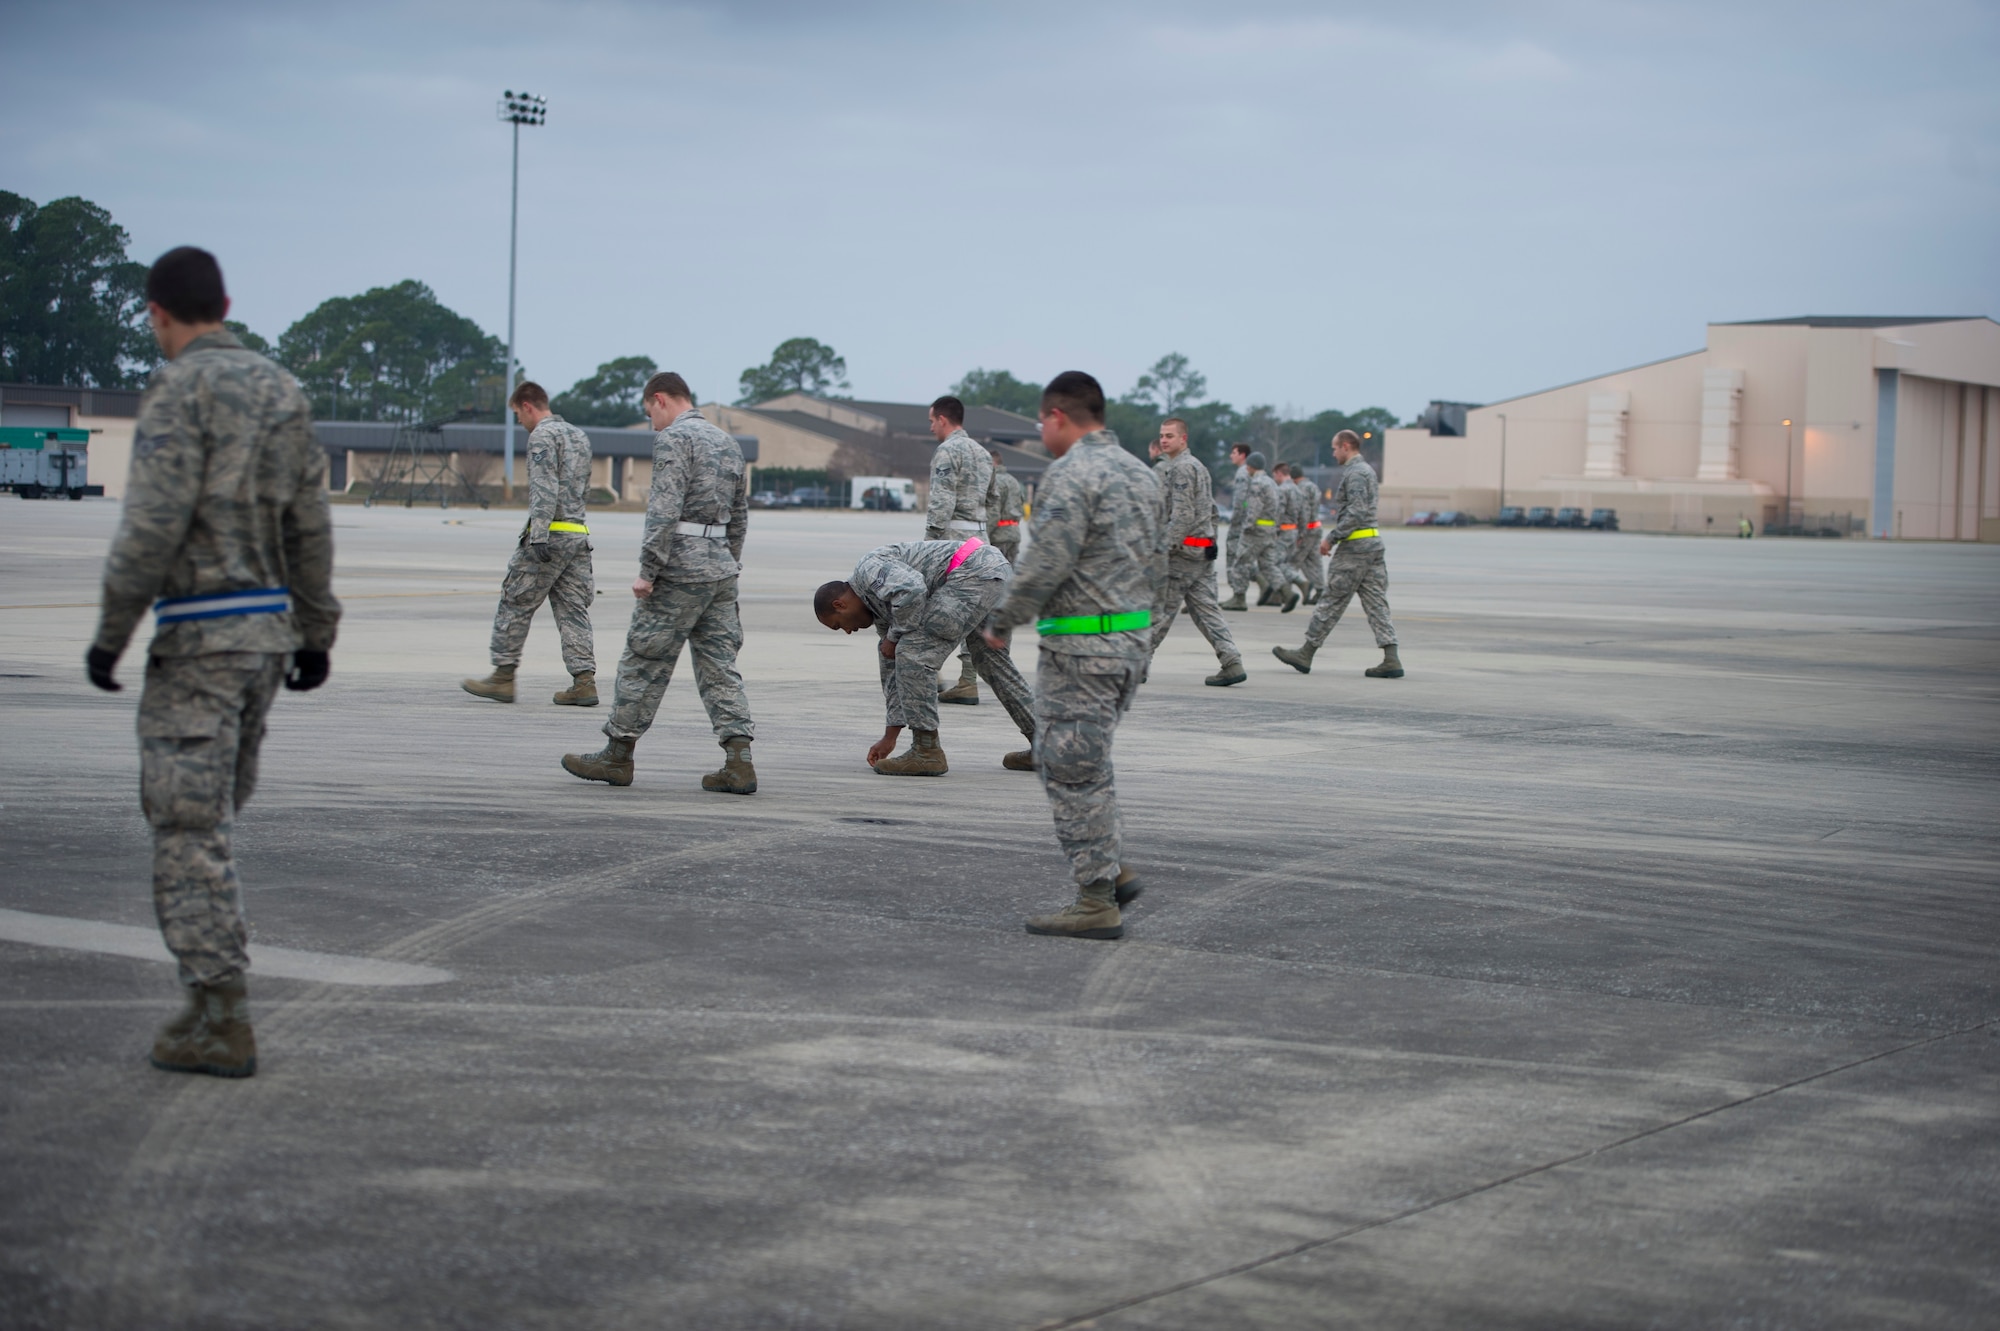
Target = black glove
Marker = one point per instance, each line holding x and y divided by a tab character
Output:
544	552
98	663
309	669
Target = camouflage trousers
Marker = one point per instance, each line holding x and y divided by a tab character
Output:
1078	700
952	616
1008	551
565	582
1354	569
1310	567
702	617
1255	556
201	723
1191	583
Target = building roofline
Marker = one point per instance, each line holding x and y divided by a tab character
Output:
1855	321
1556	388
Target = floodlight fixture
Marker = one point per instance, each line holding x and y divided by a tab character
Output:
516	109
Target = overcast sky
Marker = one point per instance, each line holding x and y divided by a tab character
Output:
1321	205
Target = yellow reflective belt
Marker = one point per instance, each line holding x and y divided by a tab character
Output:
1265	522
1357	535
569	526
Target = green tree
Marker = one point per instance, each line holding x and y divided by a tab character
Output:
246	337
999	388
72	305
610	397
394	354
797	365
1171	385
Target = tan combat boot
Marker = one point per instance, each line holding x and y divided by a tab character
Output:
1292	599
1094	914
1128	887
1232	672
1235	602
499	686
1020	760
219	1042
965	691
612	763
736	776
924	757
1298	658
1391	667
582	691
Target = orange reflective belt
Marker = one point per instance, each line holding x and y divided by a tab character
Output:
1288	526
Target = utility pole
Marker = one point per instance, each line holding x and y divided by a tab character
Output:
1503	457
516	109
1788	474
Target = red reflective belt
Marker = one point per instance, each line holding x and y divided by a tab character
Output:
1198	541
1312	526
1007	522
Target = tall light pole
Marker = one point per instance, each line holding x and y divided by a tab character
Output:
1788	473
516	109
1503	457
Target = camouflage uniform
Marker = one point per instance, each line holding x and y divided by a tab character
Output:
1254	552
1095	547
1291	523
1190	514
1356	564
1239	497
558	480
226	525
1307	560
1004	517
926	608
698	477
1003	513
961	477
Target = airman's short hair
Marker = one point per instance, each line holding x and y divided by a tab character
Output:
528	393
1176	421
666	381
828	594
187	283
950	408
1348	437
1077	396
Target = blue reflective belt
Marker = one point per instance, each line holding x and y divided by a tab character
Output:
255	601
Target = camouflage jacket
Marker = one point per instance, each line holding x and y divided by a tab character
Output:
698	476
1353	500
1003	501
558	477
960	473
1308	507
1190	502
1293	502
895	581
1261	503
1094	547
226	493
1239	497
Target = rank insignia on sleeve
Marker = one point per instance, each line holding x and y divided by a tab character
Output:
143	446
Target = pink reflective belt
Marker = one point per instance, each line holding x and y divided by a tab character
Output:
963	553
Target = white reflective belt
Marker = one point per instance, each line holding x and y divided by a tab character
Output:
255	601
965	524
702	528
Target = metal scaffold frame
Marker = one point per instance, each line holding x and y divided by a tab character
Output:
420	463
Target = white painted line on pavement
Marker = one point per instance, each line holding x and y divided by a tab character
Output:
125	940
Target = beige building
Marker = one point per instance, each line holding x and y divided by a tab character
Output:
1888	426
108	413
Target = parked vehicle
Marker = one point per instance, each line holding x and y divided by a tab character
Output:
1423	519
1569	517
764	499
1451	517
1541	517
812	496
1603	519
1510	516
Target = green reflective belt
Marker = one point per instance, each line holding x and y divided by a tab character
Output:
1119	623
569	526
1358	535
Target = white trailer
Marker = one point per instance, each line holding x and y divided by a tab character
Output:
892	494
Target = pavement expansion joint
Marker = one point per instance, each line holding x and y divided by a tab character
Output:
1546	1166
